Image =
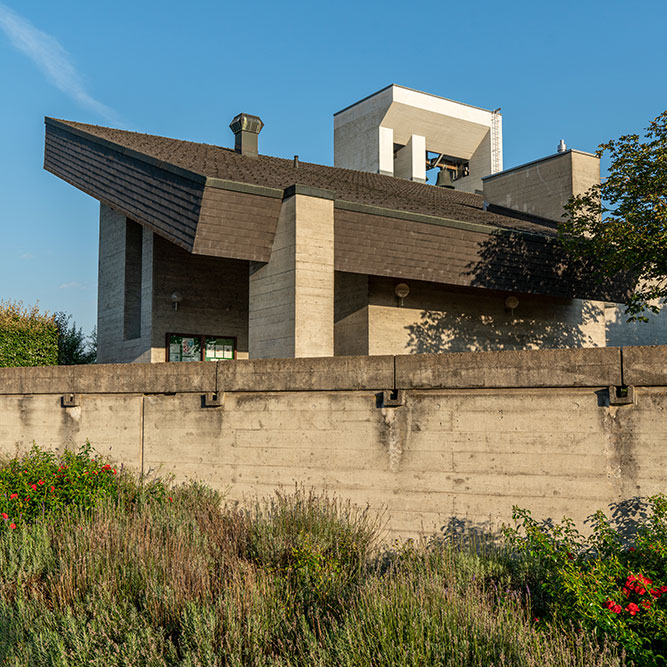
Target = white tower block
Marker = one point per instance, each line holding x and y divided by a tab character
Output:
410	161
414	123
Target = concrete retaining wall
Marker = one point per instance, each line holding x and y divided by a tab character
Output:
428	437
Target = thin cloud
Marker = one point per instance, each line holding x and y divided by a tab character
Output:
27	256
51	58
71	285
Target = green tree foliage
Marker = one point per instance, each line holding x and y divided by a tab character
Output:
73	345
622	223
27	337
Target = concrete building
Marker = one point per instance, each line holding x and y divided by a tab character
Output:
210	253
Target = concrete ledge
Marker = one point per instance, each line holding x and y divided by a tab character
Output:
36	380
144	378
593	367
645	366
313	374
110	379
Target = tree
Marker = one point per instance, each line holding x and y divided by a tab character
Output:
73	348
621	224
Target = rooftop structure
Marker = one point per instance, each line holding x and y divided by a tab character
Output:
403	132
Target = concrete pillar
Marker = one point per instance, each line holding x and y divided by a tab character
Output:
386	151
410	160
291	300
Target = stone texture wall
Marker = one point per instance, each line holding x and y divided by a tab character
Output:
437	318
292	295
215	297
111	341
472	435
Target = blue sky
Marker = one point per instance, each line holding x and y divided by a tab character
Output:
585	71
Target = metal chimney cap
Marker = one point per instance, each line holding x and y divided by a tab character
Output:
245	122
562	147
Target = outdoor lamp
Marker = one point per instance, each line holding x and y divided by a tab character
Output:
176	298
401	290
511	302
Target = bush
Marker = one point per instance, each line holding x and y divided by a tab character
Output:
27	337
606	584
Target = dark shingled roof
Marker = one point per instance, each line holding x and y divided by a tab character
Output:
347	184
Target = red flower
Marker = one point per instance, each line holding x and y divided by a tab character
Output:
106	467
631	549
612	606
12	526
27	499
655	593
663	589
114	471
570	556
14	496
5	516
33	487
632	609
41	482
626	591
646	604
640	590
171	500
53	488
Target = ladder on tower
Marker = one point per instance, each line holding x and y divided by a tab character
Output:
496	142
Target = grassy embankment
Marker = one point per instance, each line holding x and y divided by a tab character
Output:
102	570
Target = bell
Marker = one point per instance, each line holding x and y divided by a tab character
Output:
444	180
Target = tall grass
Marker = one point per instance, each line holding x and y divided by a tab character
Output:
179	578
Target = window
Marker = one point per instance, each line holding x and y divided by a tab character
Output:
132	295
189	347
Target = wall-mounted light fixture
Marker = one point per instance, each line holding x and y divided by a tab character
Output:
176	298
401	290
511	302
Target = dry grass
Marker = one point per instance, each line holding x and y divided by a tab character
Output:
296	580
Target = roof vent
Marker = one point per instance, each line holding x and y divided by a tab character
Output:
562	147
246	129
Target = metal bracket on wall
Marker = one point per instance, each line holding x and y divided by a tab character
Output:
69	401
624	395
390	398
212	399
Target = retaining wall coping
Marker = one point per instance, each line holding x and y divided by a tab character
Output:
645	365
589	367
308	374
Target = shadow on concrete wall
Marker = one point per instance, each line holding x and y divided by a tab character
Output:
625	517
525	265
620	332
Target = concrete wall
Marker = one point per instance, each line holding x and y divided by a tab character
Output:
350	313
214	291
112	344
543	187
472	434
621	332
436	318
291	311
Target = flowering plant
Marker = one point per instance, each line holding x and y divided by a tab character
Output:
40	482
603	582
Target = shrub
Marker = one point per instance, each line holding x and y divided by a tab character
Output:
27	337
604	583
